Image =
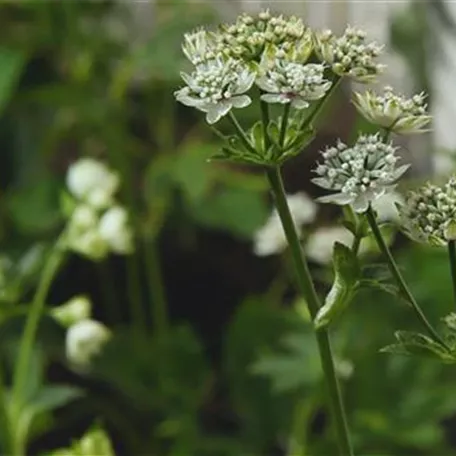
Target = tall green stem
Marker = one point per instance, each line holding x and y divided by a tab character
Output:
452	256
308	291
156	288
21	368
403	288
283	127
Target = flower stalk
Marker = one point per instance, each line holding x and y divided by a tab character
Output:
309	293
403	288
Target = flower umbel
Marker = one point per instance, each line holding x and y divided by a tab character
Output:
350	55
216	86
358	174
289	82
399	114
429	214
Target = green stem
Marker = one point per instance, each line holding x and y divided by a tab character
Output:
6	444
240	131
156	288
265	121
21	368
321	104
403	288
283	127
452	256
308	291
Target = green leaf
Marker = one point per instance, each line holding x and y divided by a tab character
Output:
385	287
416	344
256	136
236	210
346	279
11	64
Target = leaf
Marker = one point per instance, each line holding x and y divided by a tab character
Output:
11	64
416	344
292	369
346	280
385	287
256	136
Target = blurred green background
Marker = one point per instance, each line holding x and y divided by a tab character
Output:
231	368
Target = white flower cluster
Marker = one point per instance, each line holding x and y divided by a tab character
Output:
392	111
97	225
429	214
216	86
270	239
273	52
359	174
350	55
290	82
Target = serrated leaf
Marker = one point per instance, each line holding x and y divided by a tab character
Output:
345	285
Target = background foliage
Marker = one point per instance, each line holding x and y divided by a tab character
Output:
233	368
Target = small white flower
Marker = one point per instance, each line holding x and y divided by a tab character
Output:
359	174
114	229
84	340
270	239
74	310
290	82
400	114
429	214
217	86
91	181
349	55
199	46
320	244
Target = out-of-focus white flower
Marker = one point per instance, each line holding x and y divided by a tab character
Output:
290	82
400	114
74	310
270	239
93	182
216	86
84	340
429	214
320	244
349	55
115	230
385	206
444	163
359	174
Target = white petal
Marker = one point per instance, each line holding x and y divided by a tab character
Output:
241	101
299	103
337	198
275	98
217	111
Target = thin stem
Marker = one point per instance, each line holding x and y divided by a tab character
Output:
308	291
240	131
283	127
403	288
21	368
156	288
321	104
452	256
265	121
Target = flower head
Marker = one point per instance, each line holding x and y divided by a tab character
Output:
247	38
92	182
199	46
84	340
429	214
270	238
349	55
74	310
359	174
216	86
114	229
289	82
399	114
